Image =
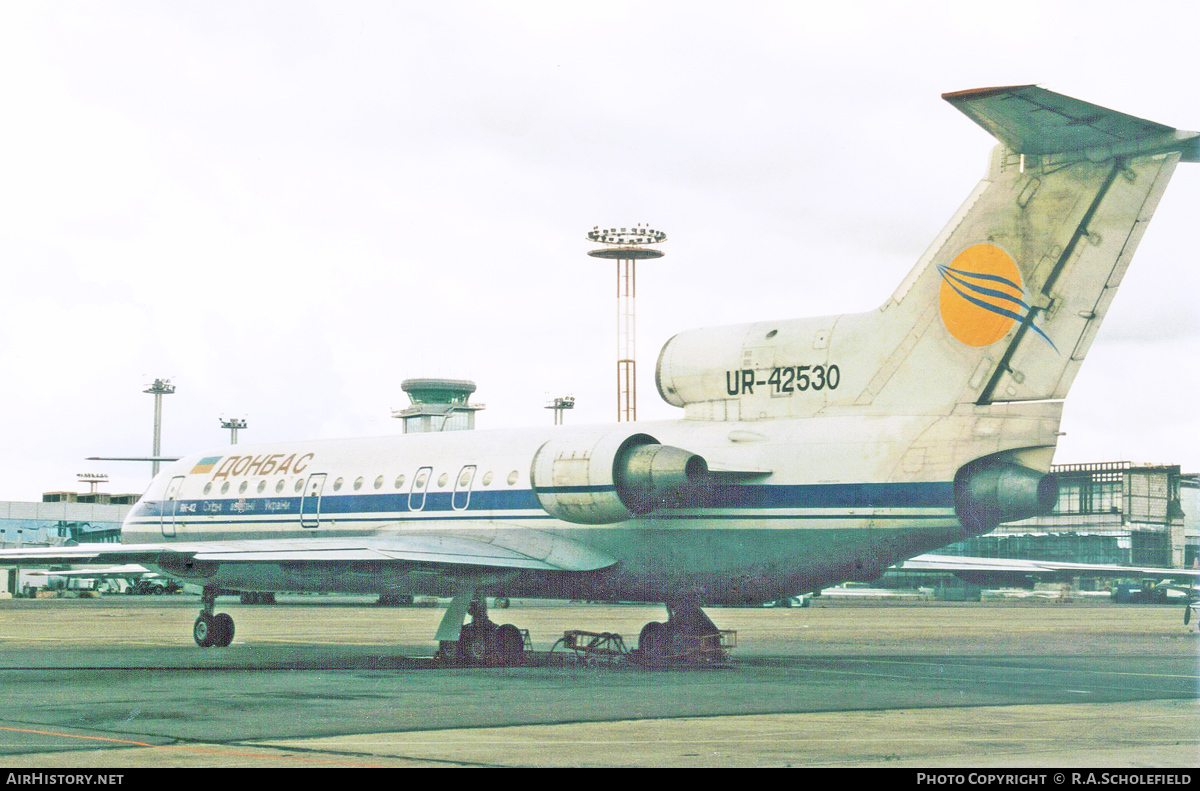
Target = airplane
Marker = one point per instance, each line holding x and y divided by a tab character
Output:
1183	582
811	451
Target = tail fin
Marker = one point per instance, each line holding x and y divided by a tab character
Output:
1002	307
1006	303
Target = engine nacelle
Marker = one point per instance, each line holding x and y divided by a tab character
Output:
597	479
986	495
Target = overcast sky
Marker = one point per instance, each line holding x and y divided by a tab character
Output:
288	208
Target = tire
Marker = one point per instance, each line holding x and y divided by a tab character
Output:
681	646
509	645
203	631
158	590
475	644
223	625
651	640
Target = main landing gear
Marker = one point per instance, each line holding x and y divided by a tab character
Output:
688	636
480	642
210	629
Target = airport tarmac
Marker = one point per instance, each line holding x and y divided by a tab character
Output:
336	681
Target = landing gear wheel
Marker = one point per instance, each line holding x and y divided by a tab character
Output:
204	631
679	645
475	643
223	624
509	645
652	639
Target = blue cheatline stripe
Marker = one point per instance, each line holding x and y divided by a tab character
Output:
410	520
498	504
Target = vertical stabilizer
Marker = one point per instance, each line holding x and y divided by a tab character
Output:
1006	303
1002	307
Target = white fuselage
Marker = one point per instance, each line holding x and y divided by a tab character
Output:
829	501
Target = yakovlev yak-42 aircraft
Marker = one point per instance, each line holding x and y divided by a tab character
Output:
811	452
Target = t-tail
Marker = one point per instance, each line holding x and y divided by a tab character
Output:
1001	308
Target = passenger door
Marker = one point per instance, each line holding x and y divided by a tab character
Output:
416	495
462	488
169	507
310	502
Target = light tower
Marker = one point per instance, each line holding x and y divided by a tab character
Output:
626	246
160	388
560	404
93	479
233	424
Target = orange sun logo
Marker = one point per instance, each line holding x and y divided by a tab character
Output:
981	296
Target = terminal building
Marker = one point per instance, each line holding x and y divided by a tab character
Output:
63	517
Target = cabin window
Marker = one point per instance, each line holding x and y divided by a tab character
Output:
242	488
358	483
337	485
379	482
487	478
420	482
224	487
399	481
445	476
262	486
208	487
464	480
279	486
299	484
512	477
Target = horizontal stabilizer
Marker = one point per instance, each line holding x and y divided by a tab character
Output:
1031	120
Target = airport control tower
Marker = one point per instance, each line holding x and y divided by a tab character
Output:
626	246
438	405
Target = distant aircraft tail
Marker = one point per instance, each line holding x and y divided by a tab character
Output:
1008	299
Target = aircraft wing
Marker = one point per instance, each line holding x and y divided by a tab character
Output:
956	564
523	549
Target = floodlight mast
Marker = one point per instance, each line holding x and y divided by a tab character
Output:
93	479
560	404
233	424
626	246
160	388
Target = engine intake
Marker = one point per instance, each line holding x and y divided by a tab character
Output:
604	478
989	495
